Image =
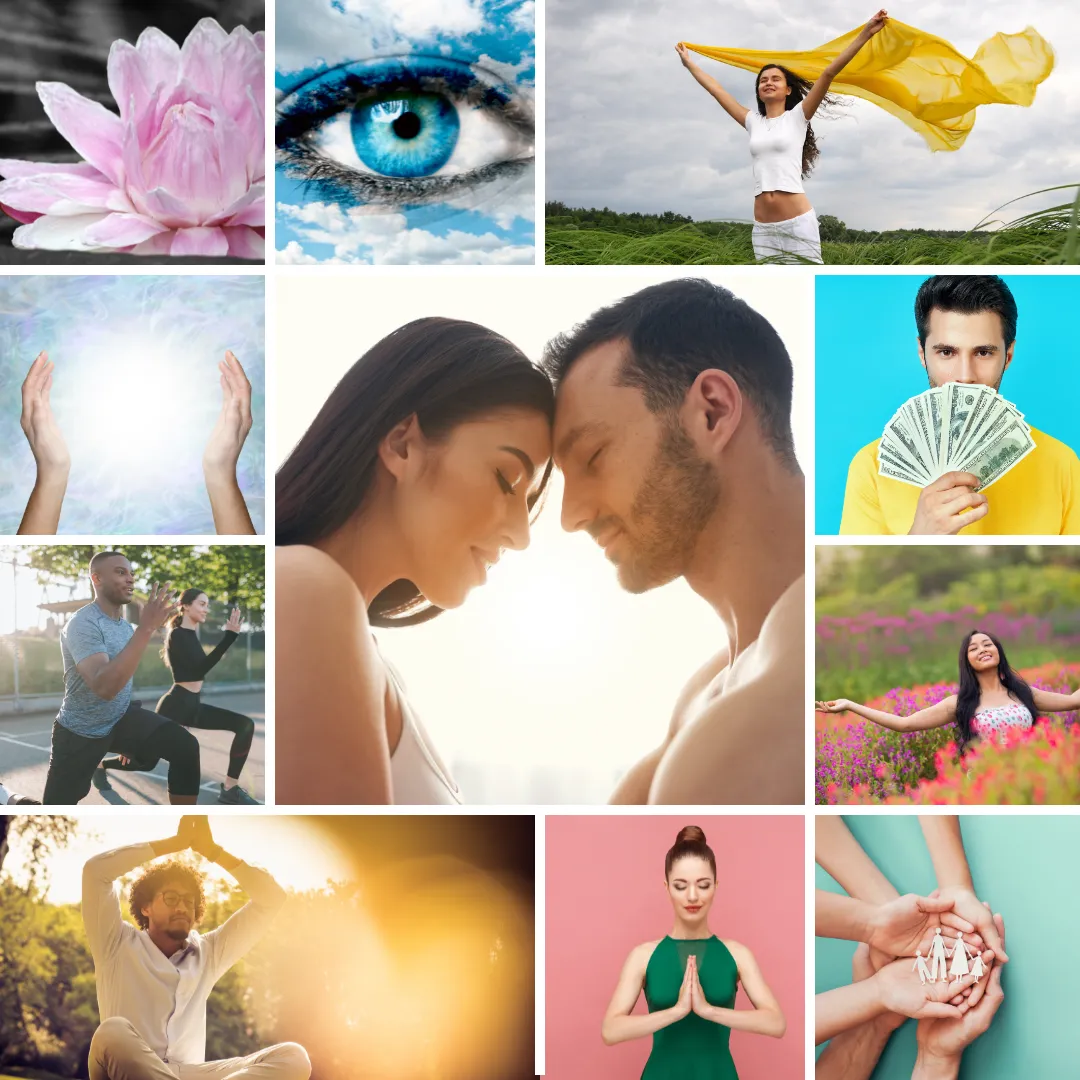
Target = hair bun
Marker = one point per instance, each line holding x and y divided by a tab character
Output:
690	834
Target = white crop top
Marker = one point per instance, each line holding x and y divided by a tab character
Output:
417	776
776	149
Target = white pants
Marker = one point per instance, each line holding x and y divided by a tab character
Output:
791	241
119	1052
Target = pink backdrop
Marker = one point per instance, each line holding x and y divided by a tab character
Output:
606	894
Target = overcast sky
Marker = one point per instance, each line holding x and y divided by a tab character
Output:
629	128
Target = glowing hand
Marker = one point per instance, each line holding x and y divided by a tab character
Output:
685	1003
838	706
902	925
160	606
948	1038
234	621
38	423
200	838
684	54
234	421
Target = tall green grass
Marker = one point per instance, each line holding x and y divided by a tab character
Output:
1046	237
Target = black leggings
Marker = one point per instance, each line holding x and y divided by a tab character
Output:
185	708
140	734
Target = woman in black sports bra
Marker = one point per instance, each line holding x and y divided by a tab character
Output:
189	664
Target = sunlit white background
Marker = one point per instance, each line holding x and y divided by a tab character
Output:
136	393
550	680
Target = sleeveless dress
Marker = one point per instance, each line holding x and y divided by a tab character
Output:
692	1047
1000	718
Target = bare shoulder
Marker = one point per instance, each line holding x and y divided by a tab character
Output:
300	565
640	954
739	952
697	684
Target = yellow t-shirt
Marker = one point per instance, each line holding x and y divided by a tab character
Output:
1041	495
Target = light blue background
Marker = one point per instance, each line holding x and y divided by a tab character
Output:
1028	868
867	365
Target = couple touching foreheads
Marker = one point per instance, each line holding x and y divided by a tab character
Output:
669	416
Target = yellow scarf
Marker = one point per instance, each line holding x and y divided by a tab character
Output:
918	77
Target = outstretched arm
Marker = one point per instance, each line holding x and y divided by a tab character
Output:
840	855
42	514
820	88
736	111
765	1018
223	451
1048	701
944	712
619	1026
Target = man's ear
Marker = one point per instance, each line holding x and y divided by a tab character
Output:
712	410
922	355
1008	356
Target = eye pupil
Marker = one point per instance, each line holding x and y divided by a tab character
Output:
407	126
406	135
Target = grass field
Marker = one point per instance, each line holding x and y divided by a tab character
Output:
1046	237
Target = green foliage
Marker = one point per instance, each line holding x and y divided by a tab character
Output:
235	574
604	237
891	580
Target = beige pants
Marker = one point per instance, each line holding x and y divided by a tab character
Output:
119	1052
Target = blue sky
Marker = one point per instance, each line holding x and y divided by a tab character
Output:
488	223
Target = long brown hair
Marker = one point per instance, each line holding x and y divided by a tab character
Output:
798	88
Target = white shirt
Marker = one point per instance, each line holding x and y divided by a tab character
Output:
776	149
163	997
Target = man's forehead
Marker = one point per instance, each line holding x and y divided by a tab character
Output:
944	323
593	373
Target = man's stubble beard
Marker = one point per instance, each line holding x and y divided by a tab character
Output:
675	502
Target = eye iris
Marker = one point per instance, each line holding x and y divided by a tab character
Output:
406	135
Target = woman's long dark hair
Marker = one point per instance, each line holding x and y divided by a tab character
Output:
798	89
967	697
188	596
445	371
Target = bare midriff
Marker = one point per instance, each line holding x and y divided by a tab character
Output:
772	206
194	687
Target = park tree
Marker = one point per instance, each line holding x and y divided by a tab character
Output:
234	574
832	229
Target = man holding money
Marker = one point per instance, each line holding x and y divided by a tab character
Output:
941	450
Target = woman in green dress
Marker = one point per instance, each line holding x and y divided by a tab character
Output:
689	979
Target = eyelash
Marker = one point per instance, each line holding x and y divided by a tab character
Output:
314	104
507	487
591	463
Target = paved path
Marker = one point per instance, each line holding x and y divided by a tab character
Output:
24	757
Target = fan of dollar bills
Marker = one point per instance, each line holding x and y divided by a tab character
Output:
954	428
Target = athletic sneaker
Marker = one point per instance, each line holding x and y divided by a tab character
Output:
236	796
100	779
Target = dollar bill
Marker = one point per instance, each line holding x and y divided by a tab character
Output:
996	458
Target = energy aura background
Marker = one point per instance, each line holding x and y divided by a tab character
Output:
135	392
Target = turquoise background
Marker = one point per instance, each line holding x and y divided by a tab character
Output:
1028	868
866	365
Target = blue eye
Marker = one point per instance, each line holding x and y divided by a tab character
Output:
403	132
408	135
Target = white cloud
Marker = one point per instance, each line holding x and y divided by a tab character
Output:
293	255
361	236
523	17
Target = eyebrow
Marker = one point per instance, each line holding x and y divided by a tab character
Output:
524	458
575	435
947	345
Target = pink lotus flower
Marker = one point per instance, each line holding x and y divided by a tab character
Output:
179	172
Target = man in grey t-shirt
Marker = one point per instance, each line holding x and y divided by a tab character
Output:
101	651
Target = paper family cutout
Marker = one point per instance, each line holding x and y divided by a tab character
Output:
960	953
